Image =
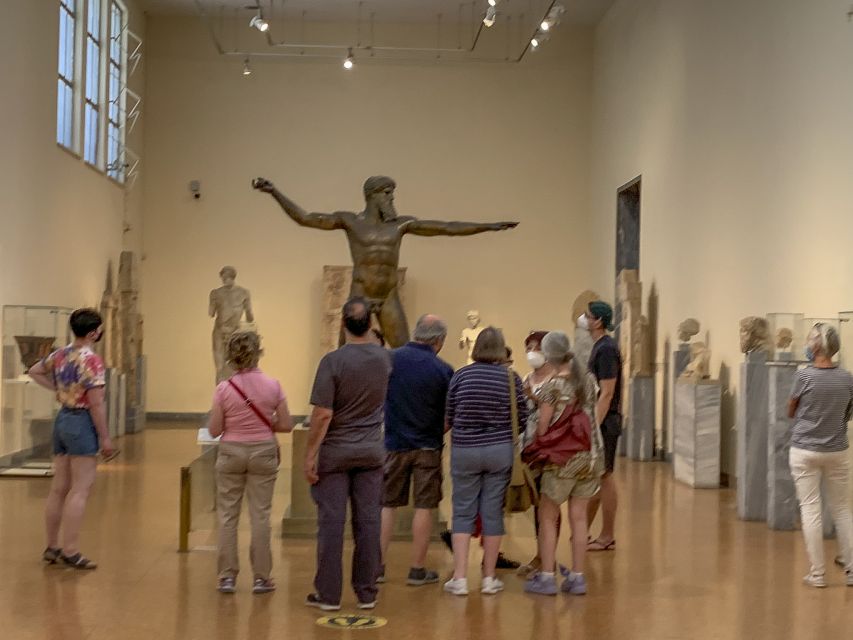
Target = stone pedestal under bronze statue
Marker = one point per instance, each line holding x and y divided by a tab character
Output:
374	237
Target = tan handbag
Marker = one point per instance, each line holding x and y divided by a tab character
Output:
521	493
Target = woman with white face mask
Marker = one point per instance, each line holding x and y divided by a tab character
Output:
821	405
541	372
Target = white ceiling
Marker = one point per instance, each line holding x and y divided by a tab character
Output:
579	12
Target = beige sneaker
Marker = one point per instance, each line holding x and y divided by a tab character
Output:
815	580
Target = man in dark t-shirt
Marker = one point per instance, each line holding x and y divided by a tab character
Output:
344	457
605	363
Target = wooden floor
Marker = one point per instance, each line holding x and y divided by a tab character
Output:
685	568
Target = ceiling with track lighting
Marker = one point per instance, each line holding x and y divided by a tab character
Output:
577	12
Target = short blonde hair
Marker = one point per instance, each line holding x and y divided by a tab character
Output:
244	350
823	338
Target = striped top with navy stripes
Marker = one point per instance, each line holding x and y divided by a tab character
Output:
478	405
825	403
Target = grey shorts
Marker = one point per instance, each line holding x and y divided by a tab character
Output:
74	433
480	476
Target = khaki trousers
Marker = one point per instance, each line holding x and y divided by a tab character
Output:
249	468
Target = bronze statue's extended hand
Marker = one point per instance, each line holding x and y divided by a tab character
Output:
503	226
262	184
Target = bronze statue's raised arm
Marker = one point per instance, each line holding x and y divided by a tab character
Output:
325	221
442	228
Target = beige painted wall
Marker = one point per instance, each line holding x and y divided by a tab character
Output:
472	142
62	221
737	115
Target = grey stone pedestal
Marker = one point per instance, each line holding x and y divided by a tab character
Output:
697	433
640	435
752	412
781	496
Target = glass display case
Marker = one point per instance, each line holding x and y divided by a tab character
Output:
26	423
786	327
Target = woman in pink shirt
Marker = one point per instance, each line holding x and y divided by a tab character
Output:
247	411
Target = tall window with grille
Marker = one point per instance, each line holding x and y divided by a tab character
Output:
65	83
91	104
115	95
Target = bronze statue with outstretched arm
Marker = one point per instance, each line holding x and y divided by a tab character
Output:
374	237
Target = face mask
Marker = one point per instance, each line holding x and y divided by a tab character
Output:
535	359
583	322
809	354
100	335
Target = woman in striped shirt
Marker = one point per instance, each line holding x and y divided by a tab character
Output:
821	404
479	413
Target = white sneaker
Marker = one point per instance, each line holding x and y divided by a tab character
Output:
457	586
814	580
491	586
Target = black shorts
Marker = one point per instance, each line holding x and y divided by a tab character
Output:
611	429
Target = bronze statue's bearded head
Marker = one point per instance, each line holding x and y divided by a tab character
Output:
380	189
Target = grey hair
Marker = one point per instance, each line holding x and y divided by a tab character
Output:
823	338
430	329
556	347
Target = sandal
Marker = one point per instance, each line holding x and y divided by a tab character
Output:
598	545
78	561
51	555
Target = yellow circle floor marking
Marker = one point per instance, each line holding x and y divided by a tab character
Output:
351	621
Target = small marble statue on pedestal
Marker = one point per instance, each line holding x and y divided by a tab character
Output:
700	363
228	304
752	419
470	333
686	330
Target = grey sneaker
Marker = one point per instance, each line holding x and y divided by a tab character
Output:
313	600
815	580
420	577
263	586
541	584
367	605
575	585
227	585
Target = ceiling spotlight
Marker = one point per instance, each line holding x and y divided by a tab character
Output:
493	3
491	14
349	63
545	25
247	70
258	22
534	43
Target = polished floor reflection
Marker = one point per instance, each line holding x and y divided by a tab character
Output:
685	568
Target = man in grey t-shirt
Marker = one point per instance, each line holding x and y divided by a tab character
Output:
344	458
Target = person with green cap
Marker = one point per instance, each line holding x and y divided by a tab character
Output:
605	363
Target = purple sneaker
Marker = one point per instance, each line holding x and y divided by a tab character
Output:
574	584
541	584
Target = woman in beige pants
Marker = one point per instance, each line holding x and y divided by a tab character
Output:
821	403
248	409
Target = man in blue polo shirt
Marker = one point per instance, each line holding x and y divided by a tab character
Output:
414	436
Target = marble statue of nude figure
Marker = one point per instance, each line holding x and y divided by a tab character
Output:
374	237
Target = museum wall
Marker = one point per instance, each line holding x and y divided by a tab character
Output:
481	142
737	115
62	221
